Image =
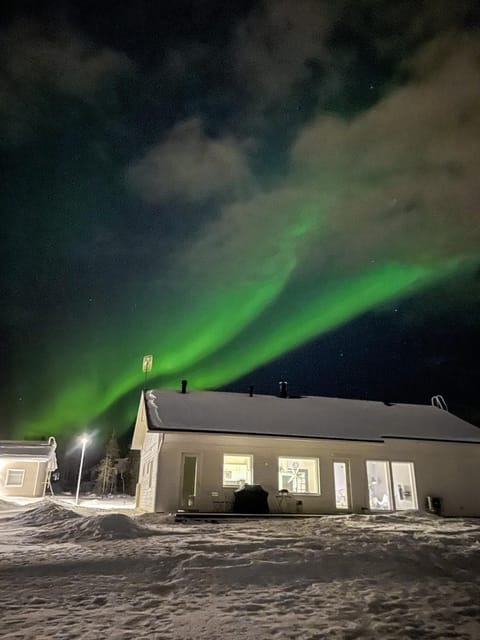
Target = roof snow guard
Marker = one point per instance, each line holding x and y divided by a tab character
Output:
306	417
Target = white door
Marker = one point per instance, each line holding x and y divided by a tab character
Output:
341	484
404	490
379	485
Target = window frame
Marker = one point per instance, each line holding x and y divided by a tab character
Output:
316	460
236	485
389	486
394	506
413	487
10	484
348	490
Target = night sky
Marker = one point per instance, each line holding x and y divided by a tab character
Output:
251	192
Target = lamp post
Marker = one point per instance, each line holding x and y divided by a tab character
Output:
84	441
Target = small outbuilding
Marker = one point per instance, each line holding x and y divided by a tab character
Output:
313	455
26	467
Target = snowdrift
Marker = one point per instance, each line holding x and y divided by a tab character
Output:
7	506
111	526
59	524
45	513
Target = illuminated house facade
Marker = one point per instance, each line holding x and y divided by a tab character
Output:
312	454
26	466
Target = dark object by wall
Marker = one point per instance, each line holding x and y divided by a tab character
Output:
434	505
252	498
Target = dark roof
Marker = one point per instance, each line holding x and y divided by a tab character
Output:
310	417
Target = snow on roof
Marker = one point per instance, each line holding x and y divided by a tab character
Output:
24	449
309	416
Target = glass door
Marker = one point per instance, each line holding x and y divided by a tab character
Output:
379	491
189	481
340	478
404	489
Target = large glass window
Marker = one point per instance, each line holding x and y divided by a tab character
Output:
404	486
15	478
382	476
299	475
379	485
237	470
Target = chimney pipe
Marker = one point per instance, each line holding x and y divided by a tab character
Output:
250	390
283	389
184	386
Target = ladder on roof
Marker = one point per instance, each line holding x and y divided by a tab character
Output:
439	402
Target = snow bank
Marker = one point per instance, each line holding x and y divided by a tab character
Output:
156	518
45	513
6	506
111	526
57	523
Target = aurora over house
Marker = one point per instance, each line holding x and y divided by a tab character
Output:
222	188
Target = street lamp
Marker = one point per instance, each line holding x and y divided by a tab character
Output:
84	441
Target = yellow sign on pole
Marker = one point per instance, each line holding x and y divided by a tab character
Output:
147	363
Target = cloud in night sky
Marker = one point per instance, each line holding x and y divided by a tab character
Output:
190	166
323	164
407	167
34	62
273	46
397	171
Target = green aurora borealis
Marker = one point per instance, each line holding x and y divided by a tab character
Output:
231	335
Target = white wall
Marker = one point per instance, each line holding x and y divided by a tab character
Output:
148	472
450	471
33	480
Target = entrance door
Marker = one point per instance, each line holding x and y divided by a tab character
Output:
189	481
391	485
404	488
340	478
379	484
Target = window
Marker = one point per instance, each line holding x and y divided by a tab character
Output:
381	476
299	475
237	470
379	493
147	473
340	477
404	486
150	466
15	478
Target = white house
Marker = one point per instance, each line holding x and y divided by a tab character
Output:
26	466
312	454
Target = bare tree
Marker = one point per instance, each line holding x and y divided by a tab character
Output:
107	469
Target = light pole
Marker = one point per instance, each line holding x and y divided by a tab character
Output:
84	441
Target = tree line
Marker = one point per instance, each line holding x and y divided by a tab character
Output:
115	474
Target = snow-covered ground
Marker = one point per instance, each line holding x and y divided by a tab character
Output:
92	501
69	574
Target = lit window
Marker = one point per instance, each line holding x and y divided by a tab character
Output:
403	478
379	493
340	477
237	470
15	478
299	475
